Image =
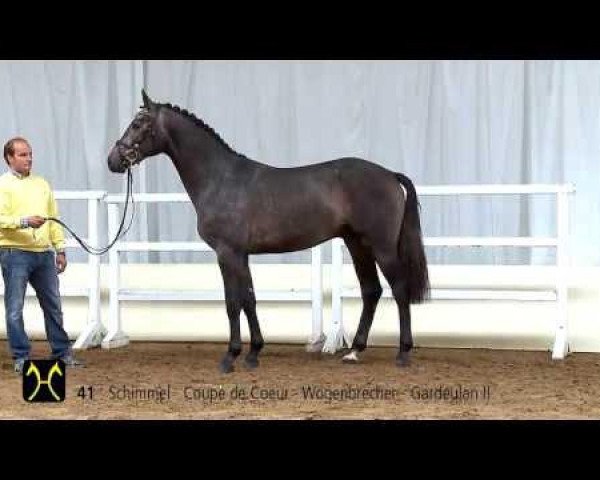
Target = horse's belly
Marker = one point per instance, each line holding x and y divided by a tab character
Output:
299	237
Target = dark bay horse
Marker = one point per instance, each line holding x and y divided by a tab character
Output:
245	207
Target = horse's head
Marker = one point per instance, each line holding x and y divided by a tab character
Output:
140	140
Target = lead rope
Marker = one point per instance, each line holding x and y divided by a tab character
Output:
120	233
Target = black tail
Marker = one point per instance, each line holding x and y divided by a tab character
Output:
410	246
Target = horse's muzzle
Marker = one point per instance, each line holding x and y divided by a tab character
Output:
115	161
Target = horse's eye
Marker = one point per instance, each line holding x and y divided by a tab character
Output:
136	125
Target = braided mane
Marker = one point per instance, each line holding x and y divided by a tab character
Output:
199	122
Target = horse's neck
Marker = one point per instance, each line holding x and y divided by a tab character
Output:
202	161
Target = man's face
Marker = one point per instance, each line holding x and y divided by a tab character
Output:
21	160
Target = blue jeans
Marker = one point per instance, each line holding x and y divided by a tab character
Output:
39	269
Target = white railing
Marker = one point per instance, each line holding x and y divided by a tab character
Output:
338	336
116	337
93	331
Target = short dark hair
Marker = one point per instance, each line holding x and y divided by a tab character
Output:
9	147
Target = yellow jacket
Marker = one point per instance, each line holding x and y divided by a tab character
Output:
24	197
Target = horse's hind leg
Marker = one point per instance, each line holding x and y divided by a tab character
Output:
389	262
233	268
370	289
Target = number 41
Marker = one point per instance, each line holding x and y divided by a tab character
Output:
86	392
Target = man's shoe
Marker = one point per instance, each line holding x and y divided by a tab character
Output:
19	364
71	361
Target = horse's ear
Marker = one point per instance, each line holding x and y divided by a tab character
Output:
147	102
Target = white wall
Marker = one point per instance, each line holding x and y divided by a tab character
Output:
464	324
440	122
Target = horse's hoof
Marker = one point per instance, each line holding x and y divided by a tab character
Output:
351	357
251	363
403	360
226	367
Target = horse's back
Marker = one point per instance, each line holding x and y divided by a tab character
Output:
295	208
334	184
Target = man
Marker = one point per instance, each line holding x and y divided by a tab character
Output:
27	245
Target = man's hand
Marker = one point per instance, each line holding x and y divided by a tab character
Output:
61	262
35	221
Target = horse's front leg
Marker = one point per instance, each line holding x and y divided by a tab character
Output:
249	306
231	264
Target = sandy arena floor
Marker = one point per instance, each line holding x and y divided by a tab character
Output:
181	381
